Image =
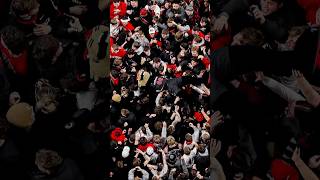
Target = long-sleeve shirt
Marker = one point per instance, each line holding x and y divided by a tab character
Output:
280	89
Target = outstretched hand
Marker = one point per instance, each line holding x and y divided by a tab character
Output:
215	147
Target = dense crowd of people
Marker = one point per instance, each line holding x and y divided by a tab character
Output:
160	67
265	77
53	89
159	89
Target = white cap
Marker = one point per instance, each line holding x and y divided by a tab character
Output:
150	151
152	30
125	151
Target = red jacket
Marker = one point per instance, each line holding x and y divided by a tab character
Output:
117	135
310	7
123	10
281	170
19	63
128	27
120	54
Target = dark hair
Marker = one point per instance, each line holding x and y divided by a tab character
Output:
48	159
44	49
13	38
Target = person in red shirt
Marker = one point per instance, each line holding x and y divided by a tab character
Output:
143	144
125	22
117	51
13	55
118	9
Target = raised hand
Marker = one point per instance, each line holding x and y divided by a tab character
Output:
215	147
314	162
220	23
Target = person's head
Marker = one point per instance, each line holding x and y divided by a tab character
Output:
179	36
134	3
155	178
193	171
152	32
194	51
189	10
270	6
124	112
188	138
205	137
46	50
157	139
203	22
206	3
182	176
132	138
158	126
248	36
170	22
136	162
125	20
175	5
155	19
186	150
13	38
116	3
194	62
143	141
165	33
48	161
171	141
202	148
171	129
25	8
115	47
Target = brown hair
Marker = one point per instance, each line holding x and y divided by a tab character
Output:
252	36
158	126
156	139
125	112
186	150
202	148
23	6
188	137
136	162
171	129
48	159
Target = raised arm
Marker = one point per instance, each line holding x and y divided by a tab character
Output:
311	95
304	170
216	170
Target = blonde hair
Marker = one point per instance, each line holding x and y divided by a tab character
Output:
170	140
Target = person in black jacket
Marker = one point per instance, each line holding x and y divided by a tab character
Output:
43	18
273	17
51	166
